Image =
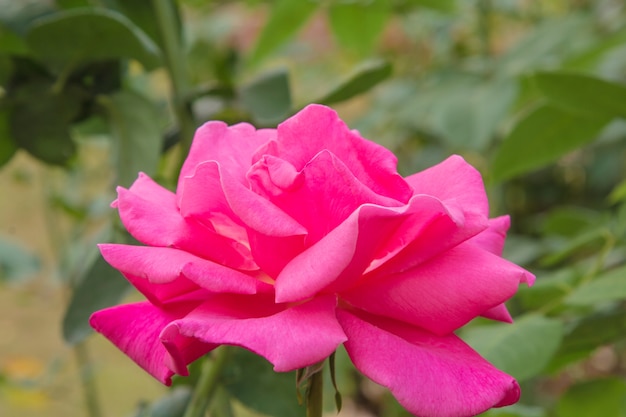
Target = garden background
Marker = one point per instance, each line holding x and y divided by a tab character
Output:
532	93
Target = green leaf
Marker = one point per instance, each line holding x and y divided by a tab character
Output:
521	349
11	43
541	138
357	24
16	262
251	379
609	286
469	113
102	286
40	119
583	94
171	405
364	78
600	397
287	16
586	334
135	125
7	145
69	38
268	98
548	289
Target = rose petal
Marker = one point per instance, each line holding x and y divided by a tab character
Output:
150	214
135	330
453	181
162	274
350	248
431	376
443	293
319	197
317	128
492	238
289	337
231	147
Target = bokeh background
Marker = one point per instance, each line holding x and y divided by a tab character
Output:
532	93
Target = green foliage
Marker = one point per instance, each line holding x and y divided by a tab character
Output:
268	98
522	349
357	25
543	136
605	397
70	38
364	78
247	371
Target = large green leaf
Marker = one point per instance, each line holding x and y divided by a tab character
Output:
102	286
364	77
583	94
521	349
40	119
542	137
357	24
600	397
135	125
268	98
287	16
72	37
251	379
609	286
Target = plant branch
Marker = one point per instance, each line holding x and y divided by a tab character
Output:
207	383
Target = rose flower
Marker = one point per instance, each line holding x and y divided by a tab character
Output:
292	241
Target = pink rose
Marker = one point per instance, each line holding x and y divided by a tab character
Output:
291	241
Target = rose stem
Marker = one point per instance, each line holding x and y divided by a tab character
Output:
314	404
175	62
207	383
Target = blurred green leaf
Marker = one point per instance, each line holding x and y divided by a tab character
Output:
608	286
138	140
40	119
586	334
546	44
583	94
569	221
549	288
16	262
286	17
515	410
469	113
171	405
587	241
521	349
69	38
357	25
268	98
251	379
542	137
600	397
101	287
7	145
364	78
11	42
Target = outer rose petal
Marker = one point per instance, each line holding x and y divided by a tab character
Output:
162	274
431	376
135	330
150	213
492	238
454	181
317	128
444	293
288	337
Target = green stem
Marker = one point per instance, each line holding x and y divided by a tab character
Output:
315	395
175	59
207	383
90	391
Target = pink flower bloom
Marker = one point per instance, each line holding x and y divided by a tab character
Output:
291	241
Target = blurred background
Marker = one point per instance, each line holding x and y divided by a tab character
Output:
532	93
